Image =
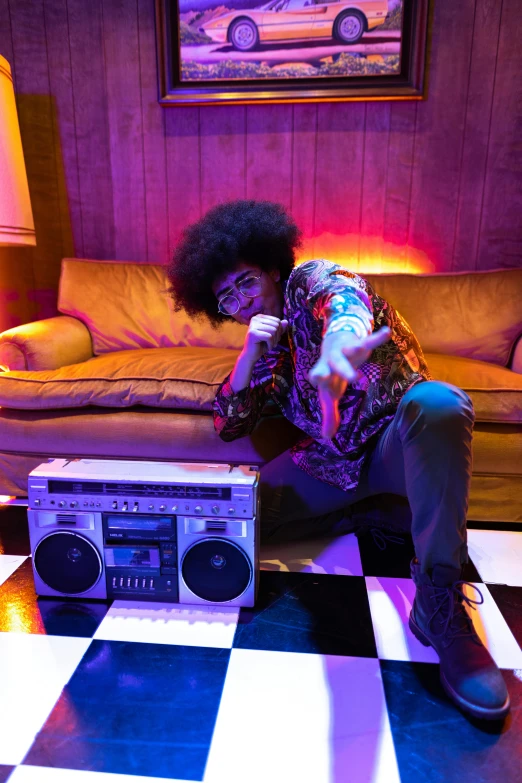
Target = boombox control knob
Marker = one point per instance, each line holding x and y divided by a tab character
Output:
198	509
73	503
62	504
37	502
163	507
215	509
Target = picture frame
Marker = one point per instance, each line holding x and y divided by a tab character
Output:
219	52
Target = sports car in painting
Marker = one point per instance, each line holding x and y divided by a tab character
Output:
291	20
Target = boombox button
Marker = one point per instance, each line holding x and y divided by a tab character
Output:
231	510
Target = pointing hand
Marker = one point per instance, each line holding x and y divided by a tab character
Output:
341	354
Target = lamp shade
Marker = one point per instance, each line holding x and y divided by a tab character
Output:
16	216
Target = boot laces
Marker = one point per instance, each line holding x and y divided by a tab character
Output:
380	538
458	622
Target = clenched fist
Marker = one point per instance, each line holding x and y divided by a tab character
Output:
264	333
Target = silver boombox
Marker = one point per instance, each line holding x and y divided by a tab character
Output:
147	531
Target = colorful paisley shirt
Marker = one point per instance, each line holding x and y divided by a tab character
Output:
319	298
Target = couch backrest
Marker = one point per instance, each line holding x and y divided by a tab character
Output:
125	306
473	314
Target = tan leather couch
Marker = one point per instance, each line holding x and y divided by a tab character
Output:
119	375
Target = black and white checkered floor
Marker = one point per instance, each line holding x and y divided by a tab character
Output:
321	683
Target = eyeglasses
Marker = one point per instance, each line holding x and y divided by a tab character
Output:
250	286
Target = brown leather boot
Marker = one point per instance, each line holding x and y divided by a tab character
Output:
468	673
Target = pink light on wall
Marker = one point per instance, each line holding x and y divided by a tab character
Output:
371	254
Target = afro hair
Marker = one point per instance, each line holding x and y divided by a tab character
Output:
254	232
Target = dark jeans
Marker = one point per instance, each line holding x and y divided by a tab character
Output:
420	466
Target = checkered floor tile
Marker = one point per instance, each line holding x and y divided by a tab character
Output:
322	682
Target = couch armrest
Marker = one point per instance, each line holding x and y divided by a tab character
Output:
46	344
516	363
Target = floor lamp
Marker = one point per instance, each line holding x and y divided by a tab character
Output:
16	216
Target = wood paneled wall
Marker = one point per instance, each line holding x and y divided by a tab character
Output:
425	186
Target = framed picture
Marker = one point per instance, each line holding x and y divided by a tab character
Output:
286	51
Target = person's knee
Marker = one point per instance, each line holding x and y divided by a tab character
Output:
437	403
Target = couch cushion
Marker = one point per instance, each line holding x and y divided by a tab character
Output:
185	378
496	392
126	306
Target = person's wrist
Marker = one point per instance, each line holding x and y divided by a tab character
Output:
247	357
341	338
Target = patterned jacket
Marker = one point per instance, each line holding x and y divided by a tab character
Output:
319	298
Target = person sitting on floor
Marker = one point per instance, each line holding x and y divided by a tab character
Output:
343	365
